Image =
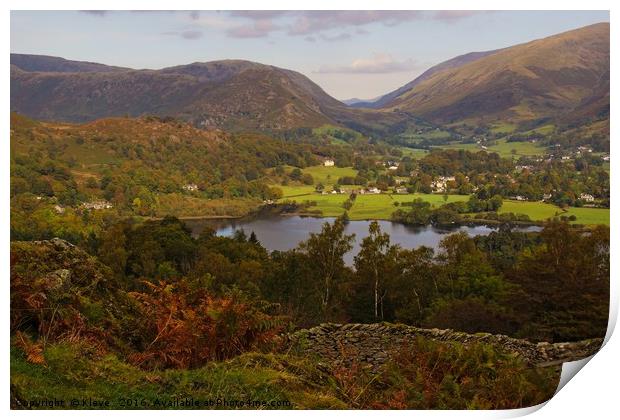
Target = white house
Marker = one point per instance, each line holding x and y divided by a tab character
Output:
328	162
97	205
524	167
373	190
589	198
441	183
190	187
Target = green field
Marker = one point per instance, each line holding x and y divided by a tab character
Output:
534	209
503	127
289	191
502	148
543	129
381	206
328	175
589	216
542	211
522	148
330	132
367	206
413	153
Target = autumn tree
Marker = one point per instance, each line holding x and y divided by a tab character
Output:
375	265
326	251
564	284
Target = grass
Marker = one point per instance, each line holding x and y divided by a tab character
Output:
543	129
414	137
328	175
413	153
536	210
91	154
381	206
522	148
589	216
291	191
329	131
77	374
367	206
541	211
503	148
73	374
503	127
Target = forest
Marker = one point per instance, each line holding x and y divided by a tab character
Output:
150	299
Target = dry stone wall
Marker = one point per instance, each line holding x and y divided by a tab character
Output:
372	343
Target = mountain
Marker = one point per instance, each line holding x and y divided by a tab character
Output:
560	78
229	94
455	62
356	101
46	63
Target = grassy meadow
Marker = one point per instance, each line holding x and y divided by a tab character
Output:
381	206
502	148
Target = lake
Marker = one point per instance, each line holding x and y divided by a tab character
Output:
286	232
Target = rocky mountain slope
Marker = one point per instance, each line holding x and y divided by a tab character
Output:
230	94
448	64
563	78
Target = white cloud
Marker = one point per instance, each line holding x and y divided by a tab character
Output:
378	63
256	29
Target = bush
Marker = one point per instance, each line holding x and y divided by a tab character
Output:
186	330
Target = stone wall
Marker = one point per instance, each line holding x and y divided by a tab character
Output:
372	344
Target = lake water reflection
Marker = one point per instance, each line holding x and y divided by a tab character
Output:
286	232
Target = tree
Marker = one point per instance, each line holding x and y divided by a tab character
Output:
375	264
326	250
296	174
466	270
563	284
415	286
91	183
307	179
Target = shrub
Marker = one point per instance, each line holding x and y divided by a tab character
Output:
184	330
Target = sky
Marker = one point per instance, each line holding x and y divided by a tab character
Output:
362	54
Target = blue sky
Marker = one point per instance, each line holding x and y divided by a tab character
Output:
348	53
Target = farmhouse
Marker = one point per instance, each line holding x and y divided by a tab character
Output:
589	198
328	162
441	183
190	187
97	205
524	167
